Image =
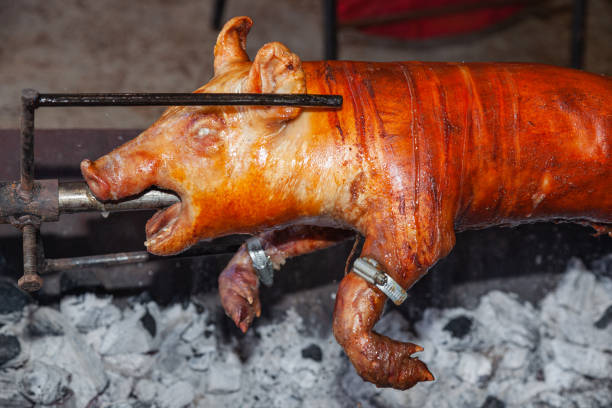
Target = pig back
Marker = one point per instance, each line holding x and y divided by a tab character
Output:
477	144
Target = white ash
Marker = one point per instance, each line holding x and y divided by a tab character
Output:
45	384
88	311
502	353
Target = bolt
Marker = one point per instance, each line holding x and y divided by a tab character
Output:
30	281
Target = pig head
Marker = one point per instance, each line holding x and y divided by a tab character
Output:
232	167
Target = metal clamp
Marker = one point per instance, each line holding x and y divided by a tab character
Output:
371	272
261	262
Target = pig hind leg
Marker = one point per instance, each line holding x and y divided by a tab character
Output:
239	284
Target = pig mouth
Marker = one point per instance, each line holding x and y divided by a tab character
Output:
161	228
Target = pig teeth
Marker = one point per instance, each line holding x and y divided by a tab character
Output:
154	240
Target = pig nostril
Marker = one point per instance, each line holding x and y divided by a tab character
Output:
96	184
93	185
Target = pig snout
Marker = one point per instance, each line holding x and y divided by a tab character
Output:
96	182
118	174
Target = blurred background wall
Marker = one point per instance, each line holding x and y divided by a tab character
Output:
167	46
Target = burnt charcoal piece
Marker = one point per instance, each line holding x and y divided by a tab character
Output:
605	319
11	298
492	402
459	327
148	323
44	323
313	352
9	348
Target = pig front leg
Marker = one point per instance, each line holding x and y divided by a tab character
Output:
239	283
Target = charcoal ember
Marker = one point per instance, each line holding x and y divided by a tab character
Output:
171	362
177	395
118	390
129	365
500	351
10	393
45	321
316	401
312	352
127	336
603	266
514	358
492	402
605	320
204	344
201	362
9	348
459	326
88	311
195	329
183	342
71	353
586	361
13	300
474	368
573	310
120	404
148	322
505	317
146	390
45	384
224	376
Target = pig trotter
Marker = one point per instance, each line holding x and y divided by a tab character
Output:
239	290
239	283
378	359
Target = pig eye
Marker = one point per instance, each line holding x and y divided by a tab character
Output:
205	136
205	131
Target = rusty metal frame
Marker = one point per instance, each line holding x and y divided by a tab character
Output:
28	203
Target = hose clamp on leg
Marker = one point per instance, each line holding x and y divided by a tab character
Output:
261	262
372	272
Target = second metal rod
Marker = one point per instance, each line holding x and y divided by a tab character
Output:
28	106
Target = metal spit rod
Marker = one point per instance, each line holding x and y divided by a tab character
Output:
76	197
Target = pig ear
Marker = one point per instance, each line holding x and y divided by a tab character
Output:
231	43
276	70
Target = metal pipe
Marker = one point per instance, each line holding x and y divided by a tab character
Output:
578	33
434	12
218	10
76	197
120	258
187	99
28	105
219	246
330	29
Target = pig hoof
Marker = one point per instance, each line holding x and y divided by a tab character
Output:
401	370
239	292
